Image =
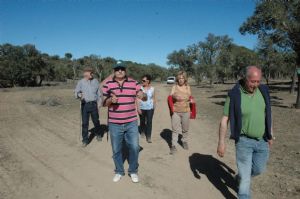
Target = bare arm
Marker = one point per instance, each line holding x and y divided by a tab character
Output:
111	100
172	91
222	133
137	104
189	91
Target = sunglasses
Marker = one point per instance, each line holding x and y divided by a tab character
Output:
120	69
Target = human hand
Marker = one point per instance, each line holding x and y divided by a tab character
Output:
142	96
221	149
114	98
139	111
270	142
80	95
192	100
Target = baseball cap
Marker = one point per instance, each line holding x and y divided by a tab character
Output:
119	64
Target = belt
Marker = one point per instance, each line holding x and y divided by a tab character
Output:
91	102
253	138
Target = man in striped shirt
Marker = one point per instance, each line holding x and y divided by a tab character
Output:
120	94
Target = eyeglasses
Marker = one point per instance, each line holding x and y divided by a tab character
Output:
120	69
144	80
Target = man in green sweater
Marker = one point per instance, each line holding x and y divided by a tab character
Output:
248	109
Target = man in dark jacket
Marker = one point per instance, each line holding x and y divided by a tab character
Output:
248	110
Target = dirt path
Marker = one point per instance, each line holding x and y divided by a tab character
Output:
40	155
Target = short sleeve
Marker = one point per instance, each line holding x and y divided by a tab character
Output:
226	107
105	90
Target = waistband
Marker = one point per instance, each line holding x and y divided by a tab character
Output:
91	102
253	138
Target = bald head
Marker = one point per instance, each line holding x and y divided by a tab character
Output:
252	78
253	71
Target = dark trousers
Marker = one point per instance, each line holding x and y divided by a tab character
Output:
87	109
146	122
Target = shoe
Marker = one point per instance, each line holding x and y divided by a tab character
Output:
173	150
117	177
149	140
142	135
84	144
185	145
99	138
134	178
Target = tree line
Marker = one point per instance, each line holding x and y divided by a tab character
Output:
218	58
27	66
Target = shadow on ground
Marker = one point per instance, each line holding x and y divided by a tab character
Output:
166	134
103	130
219	96
217	172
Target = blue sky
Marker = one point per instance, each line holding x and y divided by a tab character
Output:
144	31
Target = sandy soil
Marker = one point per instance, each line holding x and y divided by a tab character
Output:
41	157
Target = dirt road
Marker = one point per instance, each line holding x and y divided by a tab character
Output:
41	157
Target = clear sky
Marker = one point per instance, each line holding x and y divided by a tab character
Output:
144	31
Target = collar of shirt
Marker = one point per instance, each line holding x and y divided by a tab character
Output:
244	90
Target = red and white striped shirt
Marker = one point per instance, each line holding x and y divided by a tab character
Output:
124	110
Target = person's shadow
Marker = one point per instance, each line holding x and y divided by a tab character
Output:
103	130
217	172
166	134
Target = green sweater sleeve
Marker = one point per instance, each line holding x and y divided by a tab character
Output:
226	107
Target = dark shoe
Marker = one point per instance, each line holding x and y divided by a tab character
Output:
173	150
99	138
84	144
149	140
185	145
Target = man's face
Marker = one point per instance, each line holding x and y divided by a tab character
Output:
120	72
253	81
88	75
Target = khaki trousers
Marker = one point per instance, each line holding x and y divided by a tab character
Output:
180	125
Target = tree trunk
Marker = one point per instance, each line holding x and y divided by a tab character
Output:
267	79
292	89
74	72
298	94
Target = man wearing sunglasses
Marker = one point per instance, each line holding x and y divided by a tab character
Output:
120	95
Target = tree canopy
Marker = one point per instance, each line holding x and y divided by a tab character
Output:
27	66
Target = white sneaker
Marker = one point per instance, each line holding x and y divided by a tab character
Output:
134	178
117	178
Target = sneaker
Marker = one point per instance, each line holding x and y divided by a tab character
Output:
173	150
117	177
149	140
99	138
185	145
134	178
143	135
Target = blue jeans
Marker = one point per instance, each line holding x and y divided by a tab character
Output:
88	109
129	133
146	122
251	156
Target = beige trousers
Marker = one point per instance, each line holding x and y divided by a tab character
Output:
180	125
